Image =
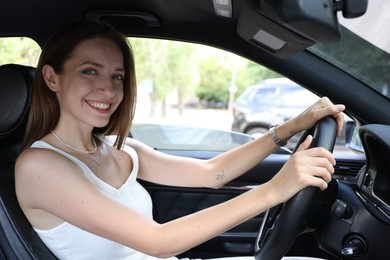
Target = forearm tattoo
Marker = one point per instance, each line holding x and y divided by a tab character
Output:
220	176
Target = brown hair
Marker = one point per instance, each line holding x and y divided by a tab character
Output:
44	109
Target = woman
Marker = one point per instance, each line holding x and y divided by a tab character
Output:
77	186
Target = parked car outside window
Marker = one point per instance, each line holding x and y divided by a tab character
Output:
270	102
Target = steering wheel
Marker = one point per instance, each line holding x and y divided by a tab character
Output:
304	211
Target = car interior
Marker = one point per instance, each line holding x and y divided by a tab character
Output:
351	220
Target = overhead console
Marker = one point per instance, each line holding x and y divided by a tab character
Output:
286	27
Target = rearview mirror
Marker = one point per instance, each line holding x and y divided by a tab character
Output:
286	27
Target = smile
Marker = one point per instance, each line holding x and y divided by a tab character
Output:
98	105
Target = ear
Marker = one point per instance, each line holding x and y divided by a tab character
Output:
51	78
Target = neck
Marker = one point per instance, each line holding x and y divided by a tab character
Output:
73	147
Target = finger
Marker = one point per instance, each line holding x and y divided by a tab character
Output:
323	173
321	165
305	144
319	178
312	180
325	104
340	123
320	183
336	111
320	152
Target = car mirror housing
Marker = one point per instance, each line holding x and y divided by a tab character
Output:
352	138
286	27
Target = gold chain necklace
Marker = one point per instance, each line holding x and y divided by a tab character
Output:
90	153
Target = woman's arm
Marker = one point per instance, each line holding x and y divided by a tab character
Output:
178	171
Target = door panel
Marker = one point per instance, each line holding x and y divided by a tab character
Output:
174	202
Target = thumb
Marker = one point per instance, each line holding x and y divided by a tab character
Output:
306	144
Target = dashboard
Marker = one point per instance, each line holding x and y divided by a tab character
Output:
374	179
359	223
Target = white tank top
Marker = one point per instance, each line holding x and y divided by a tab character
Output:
67	241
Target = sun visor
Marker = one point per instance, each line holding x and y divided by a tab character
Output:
286	27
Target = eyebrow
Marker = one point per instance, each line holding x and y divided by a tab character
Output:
99	65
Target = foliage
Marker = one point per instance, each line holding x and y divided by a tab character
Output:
167	64
214	81
193	69
19	50
252	74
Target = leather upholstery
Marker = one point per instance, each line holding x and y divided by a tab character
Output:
15	82
18	240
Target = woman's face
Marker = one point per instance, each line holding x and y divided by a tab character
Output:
90	87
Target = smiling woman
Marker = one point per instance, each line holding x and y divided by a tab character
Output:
83	92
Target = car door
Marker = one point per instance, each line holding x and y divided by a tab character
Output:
173	202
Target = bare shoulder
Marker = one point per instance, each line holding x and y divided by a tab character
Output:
32	160
39	169
52	189
35	160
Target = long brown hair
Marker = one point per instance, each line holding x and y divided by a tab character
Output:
44	109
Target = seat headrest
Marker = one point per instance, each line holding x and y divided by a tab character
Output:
15	90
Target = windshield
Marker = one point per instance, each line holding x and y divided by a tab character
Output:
368	37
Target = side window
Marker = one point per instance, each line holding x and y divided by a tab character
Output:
190	85
194	87
19	50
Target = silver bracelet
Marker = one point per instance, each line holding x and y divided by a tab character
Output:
276	139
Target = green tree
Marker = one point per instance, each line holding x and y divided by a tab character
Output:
168	64
181	70
252	74
219	71
215	80
150	59
191	69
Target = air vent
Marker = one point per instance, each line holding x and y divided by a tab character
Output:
348	168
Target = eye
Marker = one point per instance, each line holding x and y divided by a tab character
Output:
90	72
118	77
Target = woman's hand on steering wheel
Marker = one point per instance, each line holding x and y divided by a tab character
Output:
306	167
322	108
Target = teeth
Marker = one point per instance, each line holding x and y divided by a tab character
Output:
99	105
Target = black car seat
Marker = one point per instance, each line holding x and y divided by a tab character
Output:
18	240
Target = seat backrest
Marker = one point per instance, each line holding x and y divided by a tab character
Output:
18	239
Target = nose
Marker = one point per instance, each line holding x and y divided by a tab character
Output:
107	87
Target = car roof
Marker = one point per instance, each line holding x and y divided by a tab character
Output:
185	20
137	17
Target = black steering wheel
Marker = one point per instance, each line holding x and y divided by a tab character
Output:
303	212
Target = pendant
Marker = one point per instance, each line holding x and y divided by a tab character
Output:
98	161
